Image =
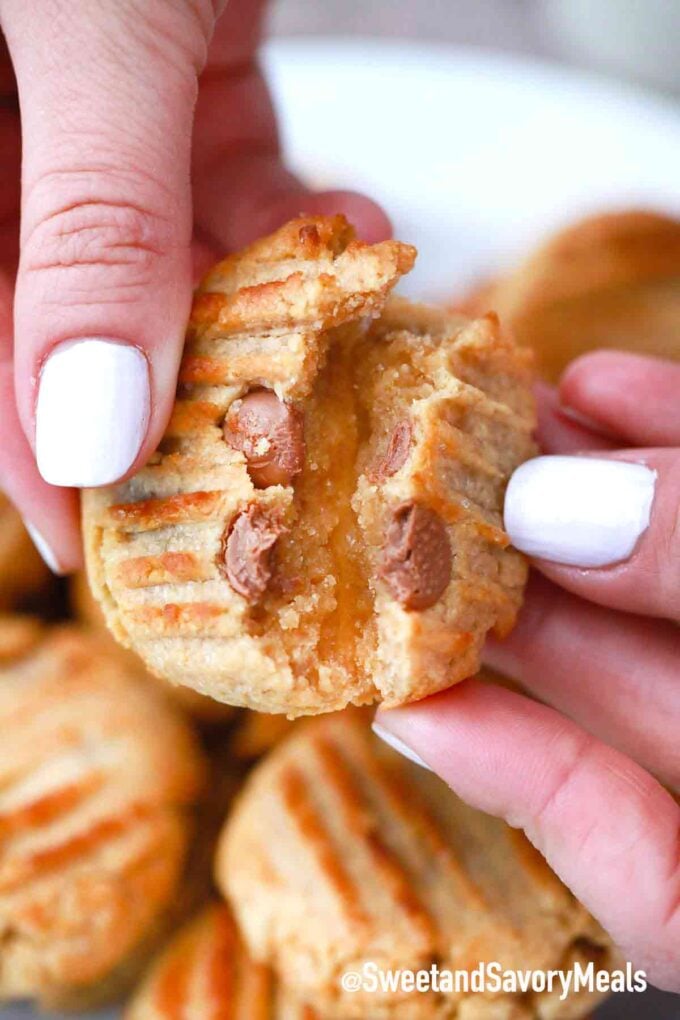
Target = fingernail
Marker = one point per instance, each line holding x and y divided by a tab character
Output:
578	418
584	421
582	511
398	745
43	548
92	412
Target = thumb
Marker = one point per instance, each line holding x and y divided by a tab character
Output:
107	91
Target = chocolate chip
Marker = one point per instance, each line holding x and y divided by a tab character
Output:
247	552
396	453
270	434
416	556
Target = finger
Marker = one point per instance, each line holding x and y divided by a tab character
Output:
605	529
561	432
607	828
105	281
615	675
49	513
252	194
241	188
632	396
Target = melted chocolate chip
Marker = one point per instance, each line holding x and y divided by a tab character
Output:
247	552
396	453
417	557
270	434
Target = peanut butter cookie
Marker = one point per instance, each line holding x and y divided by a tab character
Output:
97	776
322	523
340	853
611	280
206	973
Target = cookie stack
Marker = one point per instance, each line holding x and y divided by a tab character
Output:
320	529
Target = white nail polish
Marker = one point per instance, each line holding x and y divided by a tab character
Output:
581	511
43	548
398	745
92	412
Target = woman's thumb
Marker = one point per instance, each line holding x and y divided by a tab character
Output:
107	92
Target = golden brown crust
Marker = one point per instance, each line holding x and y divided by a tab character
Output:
96	777
22	571
206	973
611	280
312	273
338	852
249	567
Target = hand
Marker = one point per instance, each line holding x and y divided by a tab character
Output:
597	646
149	149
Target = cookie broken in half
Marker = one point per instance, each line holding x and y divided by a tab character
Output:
321	524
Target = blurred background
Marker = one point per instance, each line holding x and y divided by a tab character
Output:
483	126
638	39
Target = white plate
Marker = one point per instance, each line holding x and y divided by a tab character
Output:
474	156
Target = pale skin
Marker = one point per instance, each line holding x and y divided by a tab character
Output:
149	150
